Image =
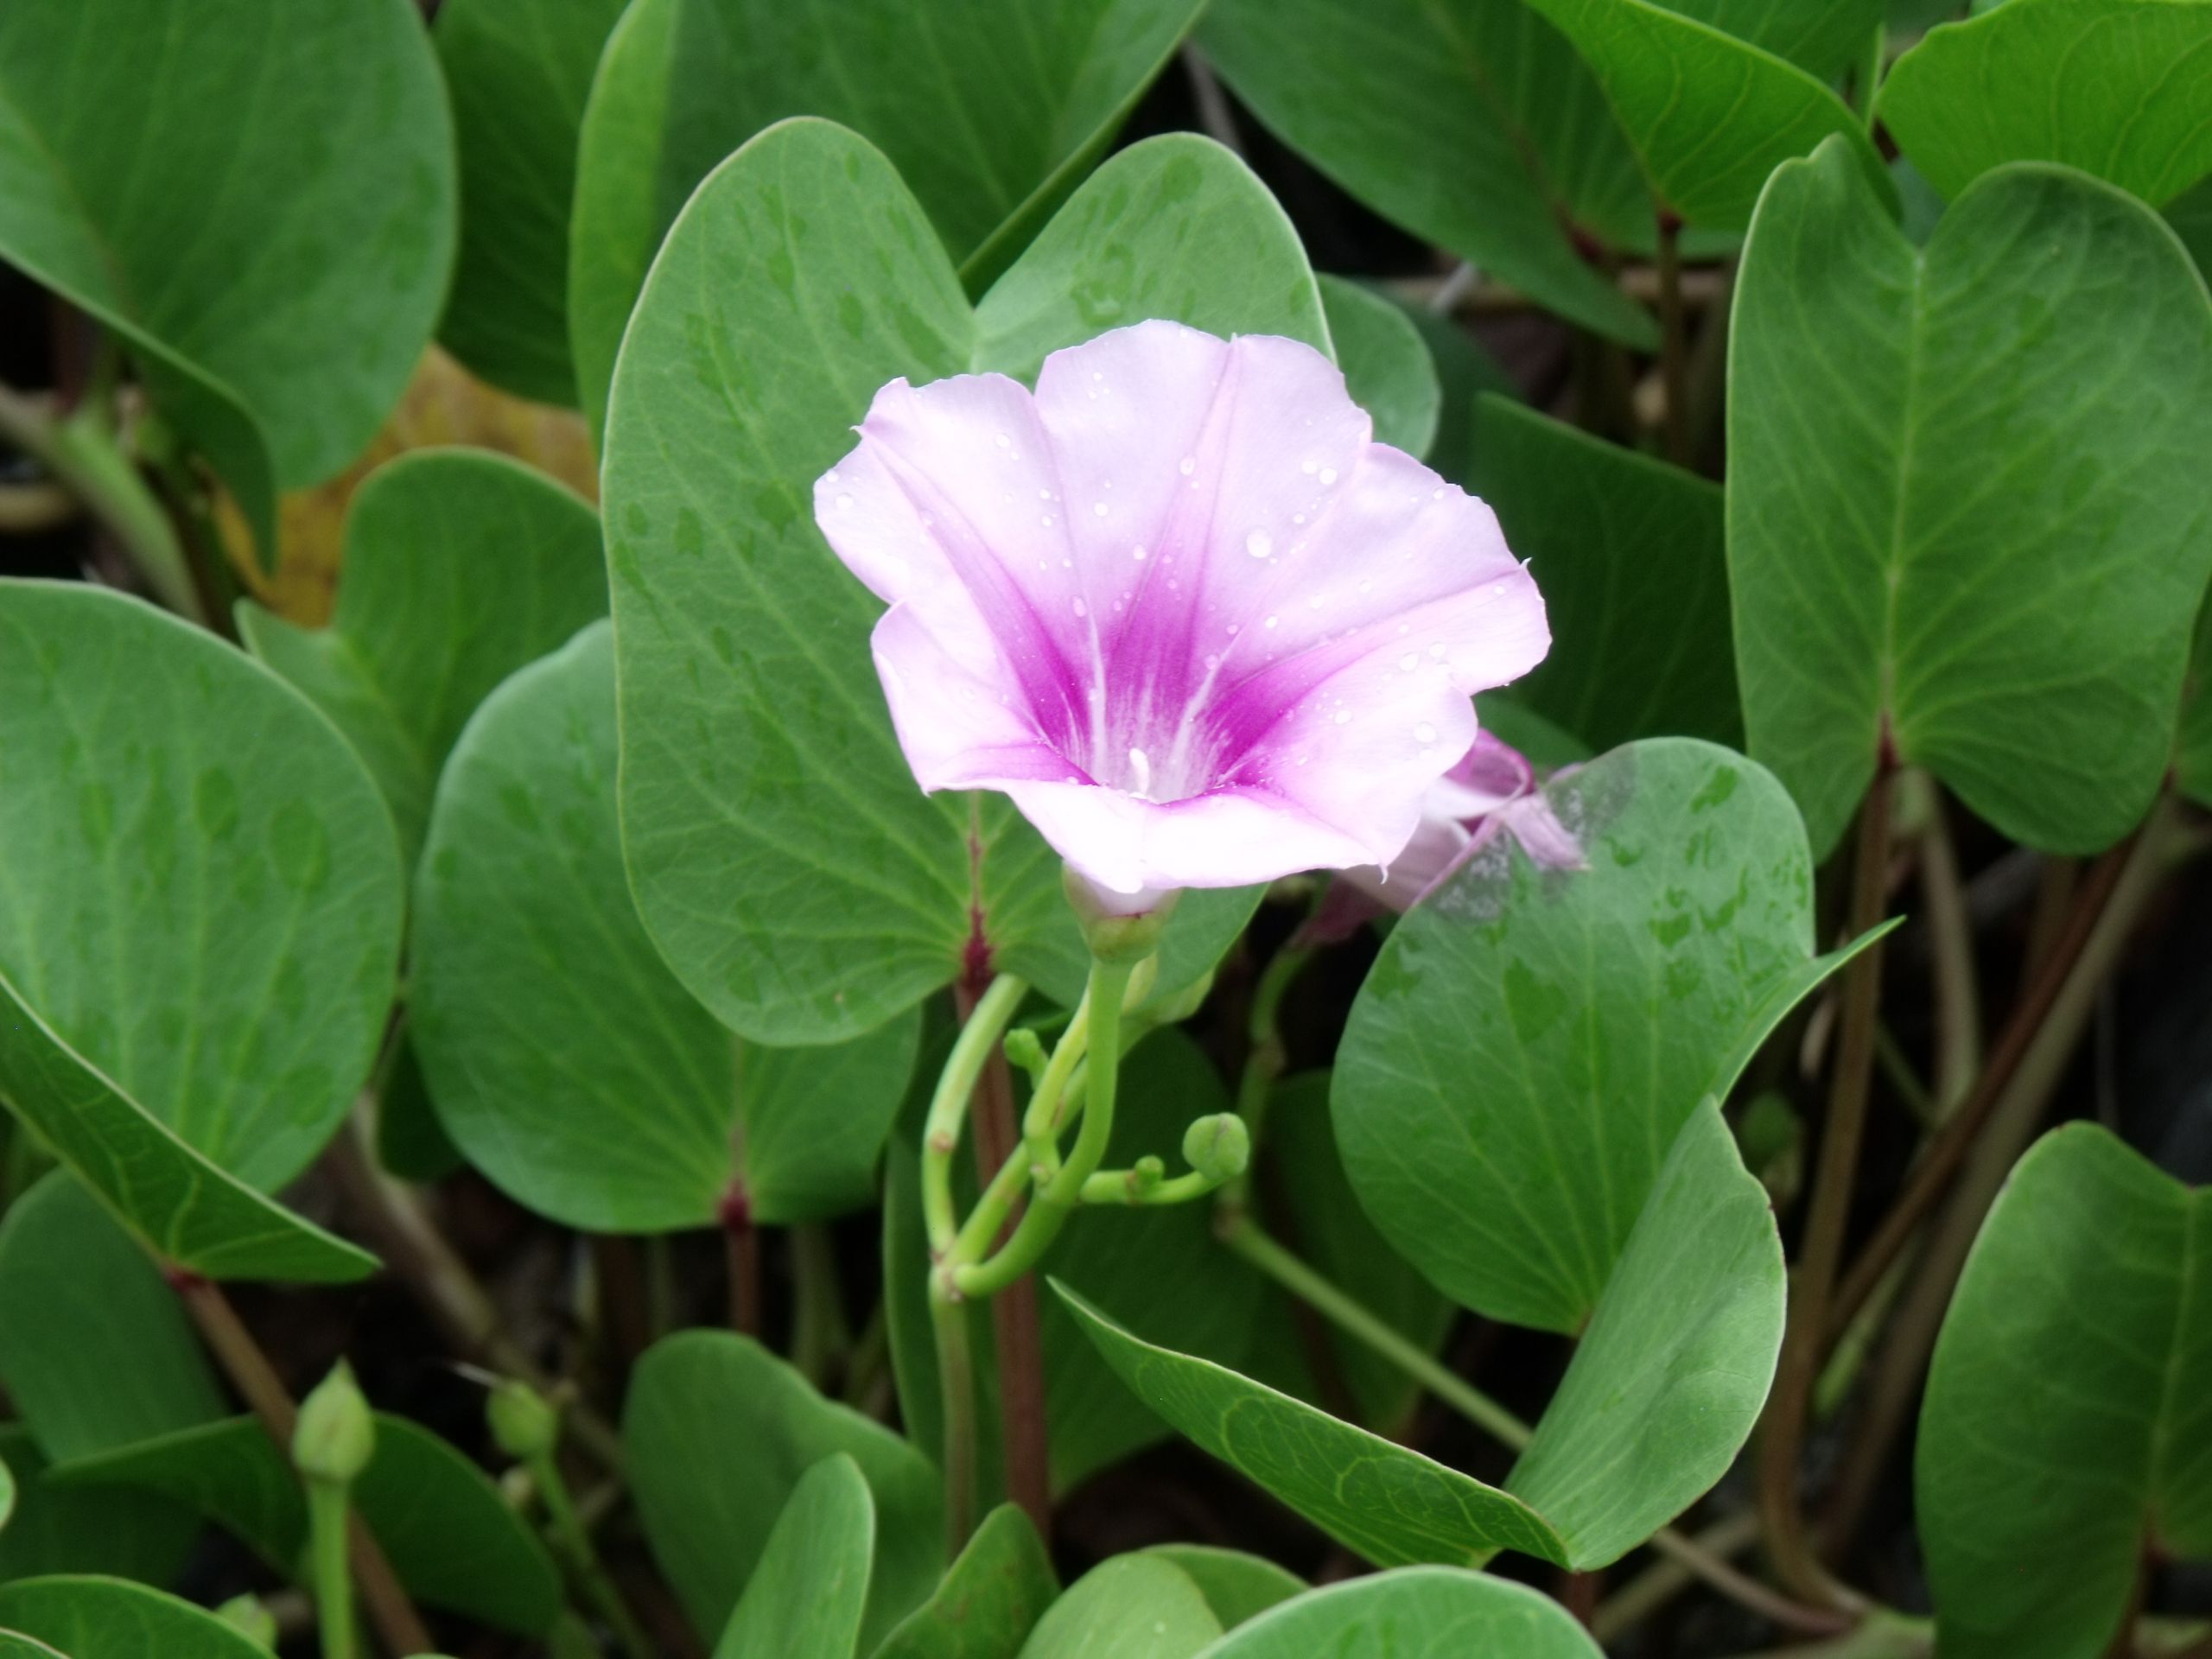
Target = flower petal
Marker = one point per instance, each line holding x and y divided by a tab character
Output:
1230	838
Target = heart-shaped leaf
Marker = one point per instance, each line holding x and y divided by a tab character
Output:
1634	564
804	1600
276	324
718	1431
1416	1613
992	1595
13	1646
108	1618
992	112
1130	1607
1392	1506
567	1062
518	72
1387	366
1667	1383
1965	503
2114	87
59	1529
460	567
2067	1427
1822	37
1710	115
1236	1586
1120	1256
783	861
95	1351
199	974
1373	93
453	1540
1526	1048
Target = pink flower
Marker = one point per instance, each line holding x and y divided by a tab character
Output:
1177	605
1491	792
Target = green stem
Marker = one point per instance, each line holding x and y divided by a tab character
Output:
1870	73
1057	1197
978	1039
329	1574
82	455
1129	1188
1245	1238
955	1369
573	1540
1263	1063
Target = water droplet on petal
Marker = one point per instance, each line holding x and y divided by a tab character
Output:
1273	620
844	503
1308	466
1259	544
1003	440
1082	609
1424	733
1436	649
1137	553
1046	520
1098	507
1212	662
1344	716
1409	662
1328	476
1190	464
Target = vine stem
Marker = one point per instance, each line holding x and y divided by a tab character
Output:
329	1521
247	1365
1950	941
1673	339
2164	841
741	1249
573	1539
955	1371
1246	1239
1804	1338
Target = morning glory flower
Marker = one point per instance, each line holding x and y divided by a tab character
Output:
1177	605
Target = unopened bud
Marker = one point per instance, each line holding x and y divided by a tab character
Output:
246	1615
1114	932
523	1423
1025	1050
337	1433
1217	1147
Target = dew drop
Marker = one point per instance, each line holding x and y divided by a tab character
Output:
1190	464
1259	544
1212	662
1436	494
1273	620
1344	716
1308	467
1424	733
1137	553
1045	520
1409	662
1436	649
1328	476
1003	441
1297	517
1082	609
1098	507
844	503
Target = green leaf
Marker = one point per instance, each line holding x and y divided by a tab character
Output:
804	1600
1964	496
717	1432
1528	1044
1386	364
567	1062
1421	1613
1710	116
195	1214
275	323
23	1647
1236	1586
63	1530
460	567
518	72
1633	560
1130	1607
7	1495
1667	1383
2067	1427
453	1540
410	1142
1121	1256
110	1619
1464	370
1391	1505
2190	215
1376	92
95	1349
992	1596
991	111
2114	87
1822	37
204	963
1333	1233
783	861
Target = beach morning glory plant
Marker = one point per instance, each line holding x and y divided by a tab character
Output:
1205	632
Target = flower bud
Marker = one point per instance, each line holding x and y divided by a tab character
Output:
523	1423
1219	1146
336	1434
1025	1050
